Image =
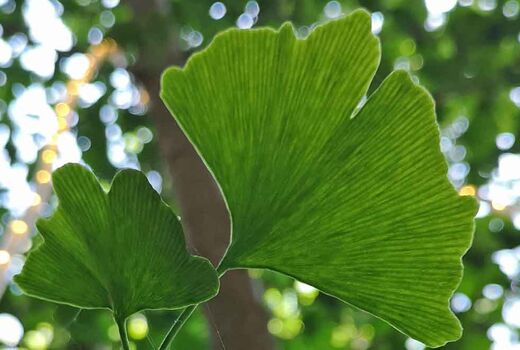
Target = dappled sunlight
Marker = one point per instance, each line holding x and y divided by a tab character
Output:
72	90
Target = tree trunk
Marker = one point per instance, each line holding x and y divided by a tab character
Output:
236	316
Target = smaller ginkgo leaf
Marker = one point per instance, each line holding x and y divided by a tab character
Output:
123	250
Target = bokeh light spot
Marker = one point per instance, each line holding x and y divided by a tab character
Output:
11	330
440	6
19	227
505	141
5	257
43	176
245	21
217	10
138	327
332	9
468	190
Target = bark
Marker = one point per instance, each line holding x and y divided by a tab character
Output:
236	316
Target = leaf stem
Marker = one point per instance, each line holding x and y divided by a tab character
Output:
182	318
221	270
121	325
177	325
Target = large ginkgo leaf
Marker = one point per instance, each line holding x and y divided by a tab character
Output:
353	202
124	250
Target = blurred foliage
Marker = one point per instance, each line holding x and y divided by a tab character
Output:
468	58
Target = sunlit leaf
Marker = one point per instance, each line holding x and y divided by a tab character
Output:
353	202
123	250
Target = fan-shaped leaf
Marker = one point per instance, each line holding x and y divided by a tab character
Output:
124	250
354	202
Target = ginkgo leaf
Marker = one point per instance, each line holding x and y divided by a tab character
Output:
123	250
352	200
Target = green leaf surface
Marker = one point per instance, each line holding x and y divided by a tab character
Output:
123	250
354	201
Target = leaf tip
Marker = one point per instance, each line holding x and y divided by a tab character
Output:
212	274
286	31
363	14
456	334
167	76
68	168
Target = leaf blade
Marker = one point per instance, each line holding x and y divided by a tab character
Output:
127	243
359	207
